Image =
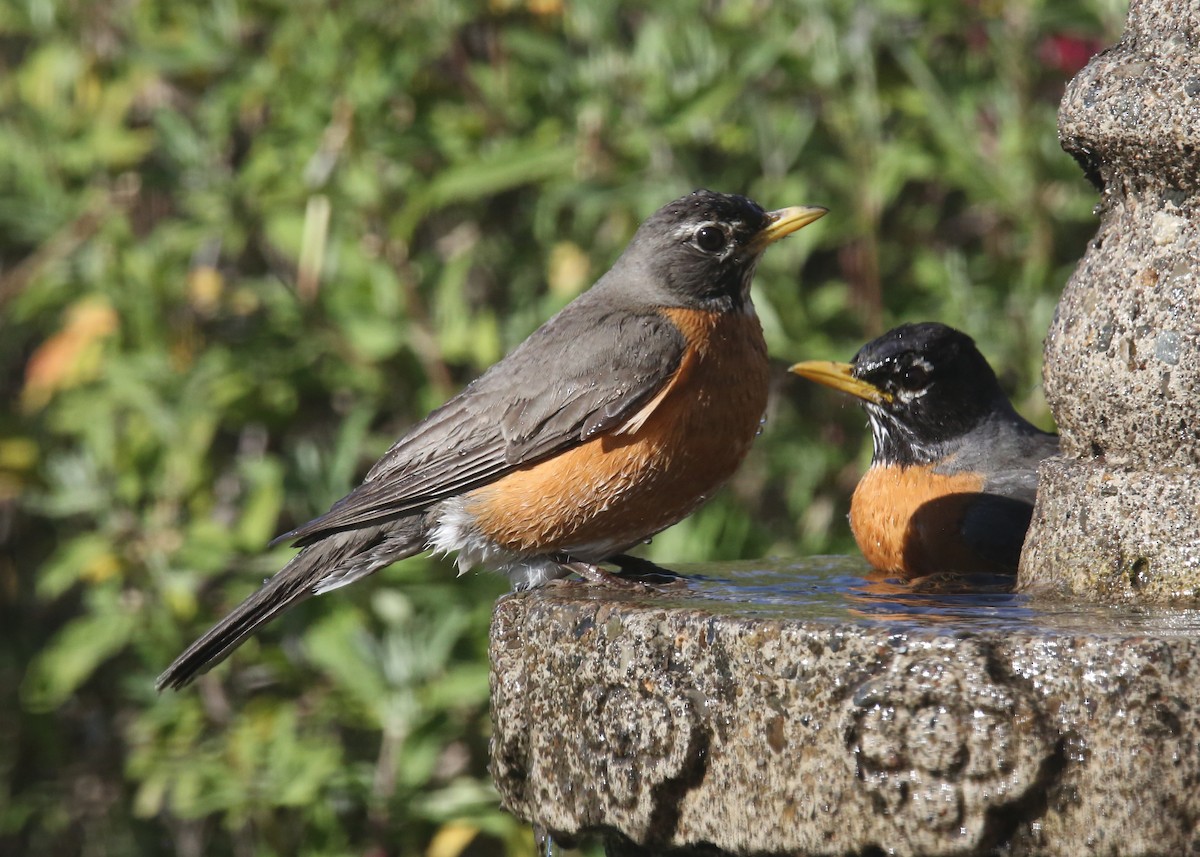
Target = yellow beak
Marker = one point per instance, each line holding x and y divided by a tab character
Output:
840	376
785	221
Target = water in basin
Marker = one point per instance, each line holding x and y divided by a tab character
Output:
846	589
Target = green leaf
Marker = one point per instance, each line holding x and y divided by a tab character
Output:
74	560
73	656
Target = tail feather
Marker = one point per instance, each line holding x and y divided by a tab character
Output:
342	557
279	593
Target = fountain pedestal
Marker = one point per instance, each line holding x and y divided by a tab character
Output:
800	710
1117	517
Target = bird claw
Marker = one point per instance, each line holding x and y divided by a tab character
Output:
636	575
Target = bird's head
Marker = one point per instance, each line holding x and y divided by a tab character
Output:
923	386
700	251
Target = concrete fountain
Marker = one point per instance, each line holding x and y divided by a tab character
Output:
809	708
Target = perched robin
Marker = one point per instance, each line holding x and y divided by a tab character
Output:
954	471
611	422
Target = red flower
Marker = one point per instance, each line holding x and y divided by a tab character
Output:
1067	53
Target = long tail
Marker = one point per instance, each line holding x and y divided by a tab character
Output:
334	561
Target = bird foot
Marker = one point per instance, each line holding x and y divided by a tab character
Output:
636	568
635	575
595	574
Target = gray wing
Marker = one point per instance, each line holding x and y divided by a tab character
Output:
994	527
996	522
583	372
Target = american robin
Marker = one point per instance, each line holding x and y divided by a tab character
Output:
611	422
954	471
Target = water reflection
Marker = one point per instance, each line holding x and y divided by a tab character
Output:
838	588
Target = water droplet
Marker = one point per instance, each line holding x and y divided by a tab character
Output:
544	843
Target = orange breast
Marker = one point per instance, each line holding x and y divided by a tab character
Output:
621	487
908	520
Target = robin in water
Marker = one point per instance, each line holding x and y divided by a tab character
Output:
954	471
611	422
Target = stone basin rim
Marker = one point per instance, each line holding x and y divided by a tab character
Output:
837	591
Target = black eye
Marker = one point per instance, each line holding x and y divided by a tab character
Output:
710	239
914	377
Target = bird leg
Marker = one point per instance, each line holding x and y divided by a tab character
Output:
641	569
595	574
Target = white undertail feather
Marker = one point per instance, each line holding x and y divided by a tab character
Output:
455	532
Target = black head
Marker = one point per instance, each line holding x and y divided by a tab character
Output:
923	386
701	250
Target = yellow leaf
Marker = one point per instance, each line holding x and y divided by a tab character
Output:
101	567
452	839
204	288
568	269
70	357
18	453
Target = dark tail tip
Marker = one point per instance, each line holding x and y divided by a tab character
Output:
276	595
343	558
176	677
199	658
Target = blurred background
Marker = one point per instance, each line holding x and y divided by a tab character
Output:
245	243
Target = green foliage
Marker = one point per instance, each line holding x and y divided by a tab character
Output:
243	245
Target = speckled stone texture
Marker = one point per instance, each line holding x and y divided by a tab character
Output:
1117	518
671	729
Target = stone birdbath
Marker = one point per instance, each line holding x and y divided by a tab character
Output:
806	707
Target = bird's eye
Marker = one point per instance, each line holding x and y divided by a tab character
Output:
914	377
710	239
